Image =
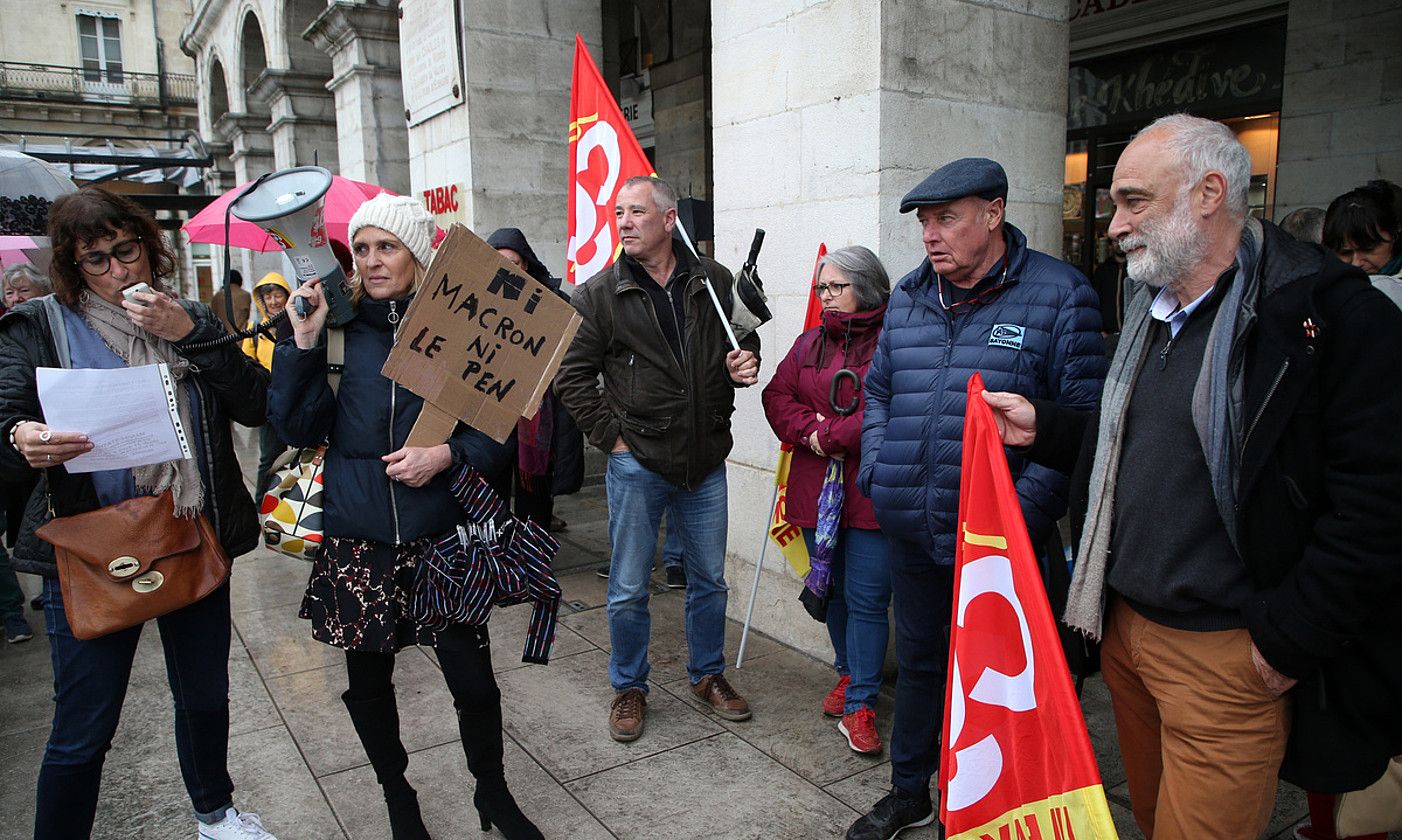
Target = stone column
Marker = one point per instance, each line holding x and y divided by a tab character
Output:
1340	113
363	42
823	117
508	145
251	146
303	122
251	153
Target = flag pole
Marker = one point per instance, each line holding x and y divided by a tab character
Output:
754	588
715	301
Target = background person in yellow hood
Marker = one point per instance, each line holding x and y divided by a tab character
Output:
269	299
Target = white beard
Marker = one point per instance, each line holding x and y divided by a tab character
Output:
1171	247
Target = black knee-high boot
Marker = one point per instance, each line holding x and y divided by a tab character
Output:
465	653
377	723
482	742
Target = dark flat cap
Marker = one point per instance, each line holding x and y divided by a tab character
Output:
964	177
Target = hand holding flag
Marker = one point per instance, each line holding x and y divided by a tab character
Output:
1015	760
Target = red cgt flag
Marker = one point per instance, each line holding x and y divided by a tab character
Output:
603	154
1016	761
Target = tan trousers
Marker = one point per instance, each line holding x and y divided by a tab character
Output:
1201	736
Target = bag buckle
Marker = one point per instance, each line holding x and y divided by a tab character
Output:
149	582
124	567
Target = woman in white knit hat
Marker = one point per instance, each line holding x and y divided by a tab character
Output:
384	502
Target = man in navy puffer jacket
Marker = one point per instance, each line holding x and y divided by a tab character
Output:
1029	323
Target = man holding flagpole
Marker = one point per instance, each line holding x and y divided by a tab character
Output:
981	301
663	415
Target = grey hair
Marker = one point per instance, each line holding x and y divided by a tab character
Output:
27	272
1202	146
663	196
870	283
1305	224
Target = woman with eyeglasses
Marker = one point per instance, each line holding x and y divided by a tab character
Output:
103	246
814	402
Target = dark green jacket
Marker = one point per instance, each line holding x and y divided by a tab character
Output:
675	417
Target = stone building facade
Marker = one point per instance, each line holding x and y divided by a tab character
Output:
808	119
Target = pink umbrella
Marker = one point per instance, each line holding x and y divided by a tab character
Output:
12	249
342	200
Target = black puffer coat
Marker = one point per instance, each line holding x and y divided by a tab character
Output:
231	386
368	418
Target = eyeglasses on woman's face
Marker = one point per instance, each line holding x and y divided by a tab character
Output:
98	263
834	289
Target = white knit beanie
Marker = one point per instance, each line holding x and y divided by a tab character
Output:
402	215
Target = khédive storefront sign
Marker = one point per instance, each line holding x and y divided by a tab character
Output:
1233	72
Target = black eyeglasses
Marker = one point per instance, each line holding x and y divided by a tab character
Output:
836	288
97	263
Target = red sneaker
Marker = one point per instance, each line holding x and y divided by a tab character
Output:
837	698
860	731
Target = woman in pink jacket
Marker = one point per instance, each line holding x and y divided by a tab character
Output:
814	402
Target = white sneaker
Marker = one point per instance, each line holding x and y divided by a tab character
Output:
235	826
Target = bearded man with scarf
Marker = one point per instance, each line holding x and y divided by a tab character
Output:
1239	491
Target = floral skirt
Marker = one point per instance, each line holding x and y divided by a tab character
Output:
360	595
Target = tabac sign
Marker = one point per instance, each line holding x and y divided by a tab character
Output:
481	341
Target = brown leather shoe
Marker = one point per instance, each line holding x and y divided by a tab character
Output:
723	700
626	715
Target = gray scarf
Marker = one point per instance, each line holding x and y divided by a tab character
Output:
1216	409
137	347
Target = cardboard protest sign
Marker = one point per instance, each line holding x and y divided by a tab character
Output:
480	343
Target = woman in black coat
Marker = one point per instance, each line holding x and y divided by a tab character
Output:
549	446
385	504
104	245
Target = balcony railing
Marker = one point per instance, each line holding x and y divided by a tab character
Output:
75	84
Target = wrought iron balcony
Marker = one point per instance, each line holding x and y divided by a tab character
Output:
56	83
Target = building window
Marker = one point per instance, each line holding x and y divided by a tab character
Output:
100	48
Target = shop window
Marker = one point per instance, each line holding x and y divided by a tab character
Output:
100	48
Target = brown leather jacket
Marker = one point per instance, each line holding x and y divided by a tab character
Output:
675	417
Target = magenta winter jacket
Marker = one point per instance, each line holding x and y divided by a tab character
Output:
799	392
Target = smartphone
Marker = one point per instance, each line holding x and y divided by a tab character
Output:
139	287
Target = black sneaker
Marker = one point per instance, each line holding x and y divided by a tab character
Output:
676	577
894	813
17	629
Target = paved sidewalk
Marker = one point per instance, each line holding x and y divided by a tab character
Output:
784	774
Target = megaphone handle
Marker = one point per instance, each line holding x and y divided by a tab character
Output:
304	307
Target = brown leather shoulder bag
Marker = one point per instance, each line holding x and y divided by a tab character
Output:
125	564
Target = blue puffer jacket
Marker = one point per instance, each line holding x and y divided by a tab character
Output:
371	417
1039	337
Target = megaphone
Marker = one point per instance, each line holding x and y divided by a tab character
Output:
289	205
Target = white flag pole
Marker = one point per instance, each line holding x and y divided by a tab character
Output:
715	301
754	588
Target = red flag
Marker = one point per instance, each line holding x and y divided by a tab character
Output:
1016	760
815	306
789	537
603	154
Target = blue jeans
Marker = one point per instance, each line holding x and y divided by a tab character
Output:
861	592
638	497
672	546
922	593
90	683
11	595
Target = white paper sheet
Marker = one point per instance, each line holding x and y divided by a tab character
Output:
129	414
